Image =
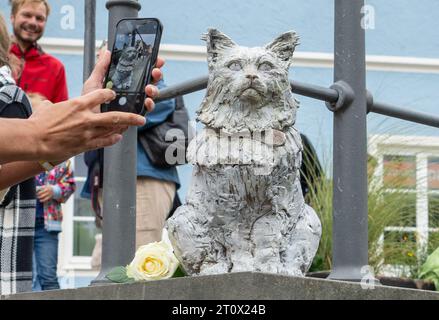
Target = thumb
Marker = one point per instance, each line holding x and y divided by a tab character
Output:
101	67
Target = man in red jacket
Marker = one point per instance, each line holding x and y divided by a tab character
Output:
39	72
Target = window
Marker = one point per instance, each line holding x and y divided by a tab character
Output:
84	229
433	203
399	171
433	210
409	166
79	230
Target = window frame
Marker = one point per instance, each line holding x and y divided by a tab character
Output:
67	261
422	147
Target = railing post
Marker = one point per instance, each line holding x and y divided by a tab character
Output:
89	37
350	226
120	174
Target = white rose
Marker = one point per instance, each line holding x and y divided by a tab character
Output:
153	261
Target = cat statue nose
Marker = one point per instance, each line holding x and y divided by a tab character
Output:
252	77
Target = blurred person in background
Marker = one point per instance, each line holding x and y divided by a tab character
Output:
38	71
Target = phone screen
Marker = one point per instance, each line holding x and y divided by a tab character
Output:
134	53
131	57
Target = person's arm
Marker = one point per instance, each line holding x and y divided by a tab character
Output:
18	140
16	172
60	131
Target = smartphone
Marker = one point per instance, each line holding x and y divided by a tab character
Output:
133	57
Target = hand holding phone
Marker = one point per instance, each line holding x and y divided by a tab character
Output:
133	57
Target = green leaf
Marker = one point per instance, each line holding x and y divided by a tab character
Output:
430	269
119	275
179	273
431	264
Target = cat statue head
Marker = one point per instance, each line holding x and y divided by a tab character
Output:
248	88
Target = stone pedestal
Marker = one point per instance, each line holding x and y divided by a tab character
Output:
233	286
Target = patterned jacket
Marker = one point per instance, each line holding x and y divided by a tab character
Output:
63	183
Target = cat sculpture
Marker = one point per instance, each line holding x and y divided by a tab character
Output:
244	210
123	76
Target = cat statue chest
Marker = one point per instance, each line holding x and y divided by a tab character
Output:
244	210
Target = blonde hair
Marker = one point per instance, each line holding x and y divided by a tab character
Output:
17	4
4	43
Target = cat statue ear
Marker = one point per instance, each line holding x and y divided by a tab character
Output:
217	42
283	46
